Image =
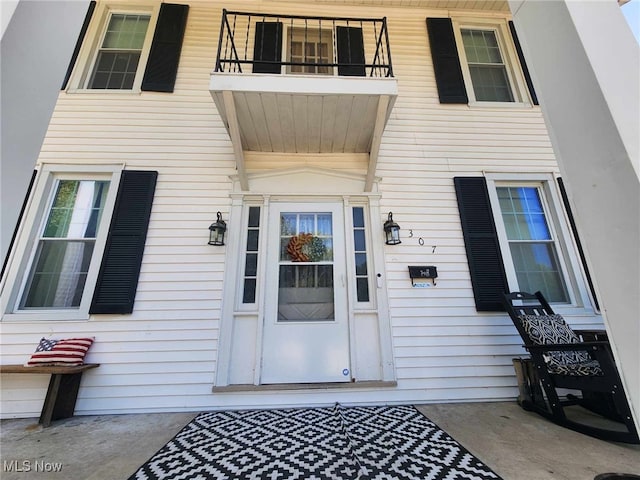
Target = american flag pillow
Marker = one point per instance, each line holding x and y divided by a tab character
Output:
70	352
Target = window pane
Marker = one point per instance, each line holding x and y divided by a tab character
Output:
359	240
307	224
249	293
305	293
126	32
490	83
537	268
362	286
324	224
288	224
254	216
115	70
358	217
77	209
361	263
252	240
58	277
251	266
522	212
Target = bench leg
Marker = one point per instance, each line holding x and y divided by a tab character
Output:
60	401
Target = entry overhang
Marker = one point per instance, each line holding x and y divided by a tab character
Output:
303	114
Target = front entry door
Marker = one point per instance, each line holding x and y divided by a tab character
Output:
306	327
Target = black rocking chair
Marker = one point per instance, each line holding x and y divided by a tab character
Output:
569	359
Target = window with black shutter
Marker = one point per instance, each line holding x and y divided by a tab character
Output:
446	63
164	56
477	62
121	36
120	268
516	240
486	267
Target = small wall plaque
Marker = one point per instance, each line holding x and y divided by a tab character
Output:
423	272
419	274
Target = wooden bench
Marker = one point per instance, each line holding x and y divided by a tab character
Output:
62	393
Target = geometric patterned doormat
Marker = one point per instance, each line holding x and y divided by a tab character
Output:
342	443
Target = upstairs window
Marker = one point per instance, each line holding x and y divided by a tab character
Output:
118	57
128	49
486	66
479	60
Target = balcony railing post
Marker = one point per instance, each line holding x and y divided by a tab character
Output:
222	23
386	36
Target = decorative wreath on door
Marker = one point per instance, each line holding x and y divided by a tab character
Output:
306	248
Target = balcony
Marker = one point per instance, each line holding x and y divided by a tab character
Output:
294	84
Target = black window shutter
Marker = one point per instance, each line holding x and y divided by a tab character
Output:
523	64
118	277
481	243
76	50
446	63
164	56
19	221
574	230
350	46
267	46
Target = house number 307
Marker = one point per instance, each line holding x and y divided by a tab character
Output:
421	241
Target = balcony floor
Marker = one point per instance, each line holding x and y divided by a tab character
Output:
517	445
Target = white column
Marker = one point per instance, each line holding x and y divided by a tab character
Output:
585	66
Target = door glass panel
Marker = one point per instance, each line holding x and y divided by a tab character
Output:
305	288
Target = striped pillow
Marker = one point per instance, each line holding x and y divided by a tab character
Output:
68	352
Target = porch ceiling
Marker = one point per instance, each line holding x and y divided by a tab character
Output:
487	5
303	114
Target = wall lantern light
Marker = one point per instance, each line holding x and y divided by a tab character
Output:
217	231
392	231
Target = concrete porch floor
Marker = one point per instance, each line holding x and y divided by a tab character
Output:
516	444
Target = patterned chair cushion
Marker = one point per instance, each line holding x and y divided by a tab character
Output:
551	329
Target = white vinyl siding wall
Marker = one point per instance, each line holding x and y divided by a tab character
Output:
162	357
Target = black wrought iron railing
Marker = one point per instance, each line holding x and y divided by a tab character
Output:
290	44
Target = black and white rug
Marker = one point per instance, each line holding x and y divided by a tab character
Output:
342	443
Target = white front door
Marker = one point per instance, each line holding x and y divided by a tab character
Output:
306	327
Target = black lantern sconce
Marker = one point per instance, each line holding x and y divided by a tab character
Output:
392	231
217	231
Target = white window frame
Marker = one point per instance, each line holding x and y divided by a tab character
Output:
29	235
83	69
515	77
573	275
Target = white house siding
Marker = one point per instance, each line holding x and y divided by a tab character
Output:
162	357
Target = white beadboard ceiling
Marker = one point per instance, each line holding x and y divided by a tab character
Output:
487	5
303	114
